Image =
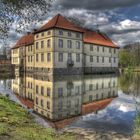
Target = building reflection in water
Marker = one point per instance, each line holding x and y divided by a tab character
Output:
63	99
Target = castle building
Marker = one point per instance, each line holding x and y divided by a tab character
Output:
61	47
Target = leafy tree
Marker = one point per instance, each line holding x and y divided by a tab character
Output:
23	12
126	58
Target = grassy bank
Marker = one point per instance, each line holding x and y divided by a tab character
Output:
137	128
17	124
131	69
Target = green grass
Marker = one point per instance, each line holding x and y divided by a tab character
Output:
17	124
137	128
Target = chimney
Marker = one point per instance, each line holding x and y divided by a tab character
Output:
28	33
34	30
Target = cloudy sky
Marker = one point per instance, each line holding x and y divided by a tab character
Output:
120	19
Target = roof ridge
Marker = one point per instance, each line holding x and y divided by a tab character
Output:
57	20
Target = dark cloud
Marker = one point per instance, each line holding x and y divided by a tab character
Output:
96	4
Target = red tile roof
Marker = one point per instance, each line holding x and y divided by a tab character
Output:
28	103
24	41
98	39
59	22
96	106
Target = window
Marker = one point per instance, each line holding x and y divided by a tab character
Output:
102	59
42	44
69	91
113	93
60	105
90	87
102	95
91	58
69	33
37	36
60	43
36	57
90	98
36	89
77	44
42	34
69	56
28	48
28	58
42	90
49	32
103	49
97	48
78	35
109	50
48	104
60	92
102	85
114	60
97	59
31	48
109	84
42	57
60	32
97	96
69	42
36	45
114	84
114	50
77	103
42	103
109	93
48	92
36	100
77	89
97	86
48	57
60	57
109	59
69	104
31	58
28	85
91	47
77	57
48	43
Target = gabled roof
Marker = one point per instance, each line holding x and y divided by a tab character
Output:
59	22
89	36
24	41
98	38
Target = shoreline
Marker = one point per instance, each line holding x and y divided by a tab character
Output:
16	123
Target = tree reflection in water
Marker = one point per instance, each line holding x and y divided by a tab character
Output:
130	84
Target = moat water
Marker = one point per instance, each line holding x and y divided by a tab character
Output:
102	103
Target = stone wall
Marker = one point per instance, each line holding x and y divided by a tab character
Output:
100	70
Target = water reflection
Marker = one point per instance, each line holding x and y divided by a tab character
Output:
61	100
